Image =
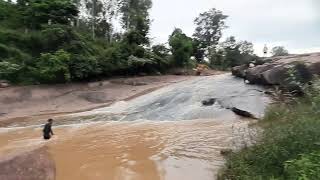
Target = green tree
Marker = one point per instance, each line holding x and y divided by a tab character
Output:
181	47
279	51
161	50
10	16
53	68
135	18
209	26
233	53
96	16
39	12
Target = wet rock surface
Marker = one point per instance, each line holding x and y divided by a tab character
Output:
209	97
32	165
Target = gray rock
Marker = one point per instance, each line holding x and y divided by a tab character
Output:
33	165
209	102
239	71
275	69
243	113
226	152
254	75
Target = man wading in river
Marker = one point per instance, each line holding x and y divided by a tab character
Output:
47	131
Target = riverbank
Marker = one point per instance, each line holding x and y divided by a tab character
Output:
288	148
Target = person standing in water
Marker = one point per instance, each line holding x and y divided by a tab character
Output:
47	130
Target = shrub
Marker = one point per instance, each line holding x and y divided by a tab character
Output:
84	67
53	68
306	167
8	70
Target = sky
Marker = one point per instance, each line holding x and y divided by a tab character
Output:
294	24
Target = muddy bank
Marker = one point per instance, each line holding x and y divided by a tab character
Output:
39	102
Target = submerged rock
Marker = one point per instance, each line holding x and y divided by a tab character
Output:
32	165
243	113
209	102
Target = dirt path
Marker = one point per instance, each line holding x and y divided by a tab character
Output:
37	103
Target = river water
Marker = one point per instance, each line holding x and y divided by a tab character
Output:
164	135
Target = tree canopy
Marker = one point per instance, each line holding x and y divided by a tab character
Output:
209	26
181	47
279	51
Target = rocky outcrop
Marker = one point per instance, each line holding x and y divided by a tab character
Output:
33	165
240	71
275	70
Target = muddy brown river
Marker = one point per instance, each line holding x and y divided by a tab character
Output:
165	135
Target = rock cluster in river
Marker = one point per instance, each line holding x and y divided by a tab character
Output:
274	70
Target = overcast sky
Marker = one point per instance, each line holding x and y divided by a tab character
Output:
294	24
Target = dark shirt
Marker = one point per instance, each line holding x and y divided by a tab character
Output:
47	131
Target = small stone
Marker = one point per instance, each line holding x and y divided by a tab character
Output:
226	152
209	102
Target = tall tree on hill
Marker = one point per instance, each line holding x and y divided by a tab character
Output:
97	15
209	26
135	19
181	47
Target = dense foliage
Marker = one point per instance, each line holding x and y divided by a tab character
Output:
181	46
288	148
232	53
58	41
40	42
279	51
207	45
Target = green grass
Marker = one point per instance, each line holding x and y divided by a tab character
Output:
288	148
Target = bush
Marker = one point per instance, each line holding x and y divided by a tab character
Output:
84	67
181	47
53	68
306	167
8	70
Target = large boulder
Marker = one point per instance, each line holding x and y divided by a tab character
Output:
32	165
275	69
254	75
276	75
240	71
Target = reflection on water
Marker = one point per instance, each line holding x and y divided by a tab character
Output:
164	135
136	151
